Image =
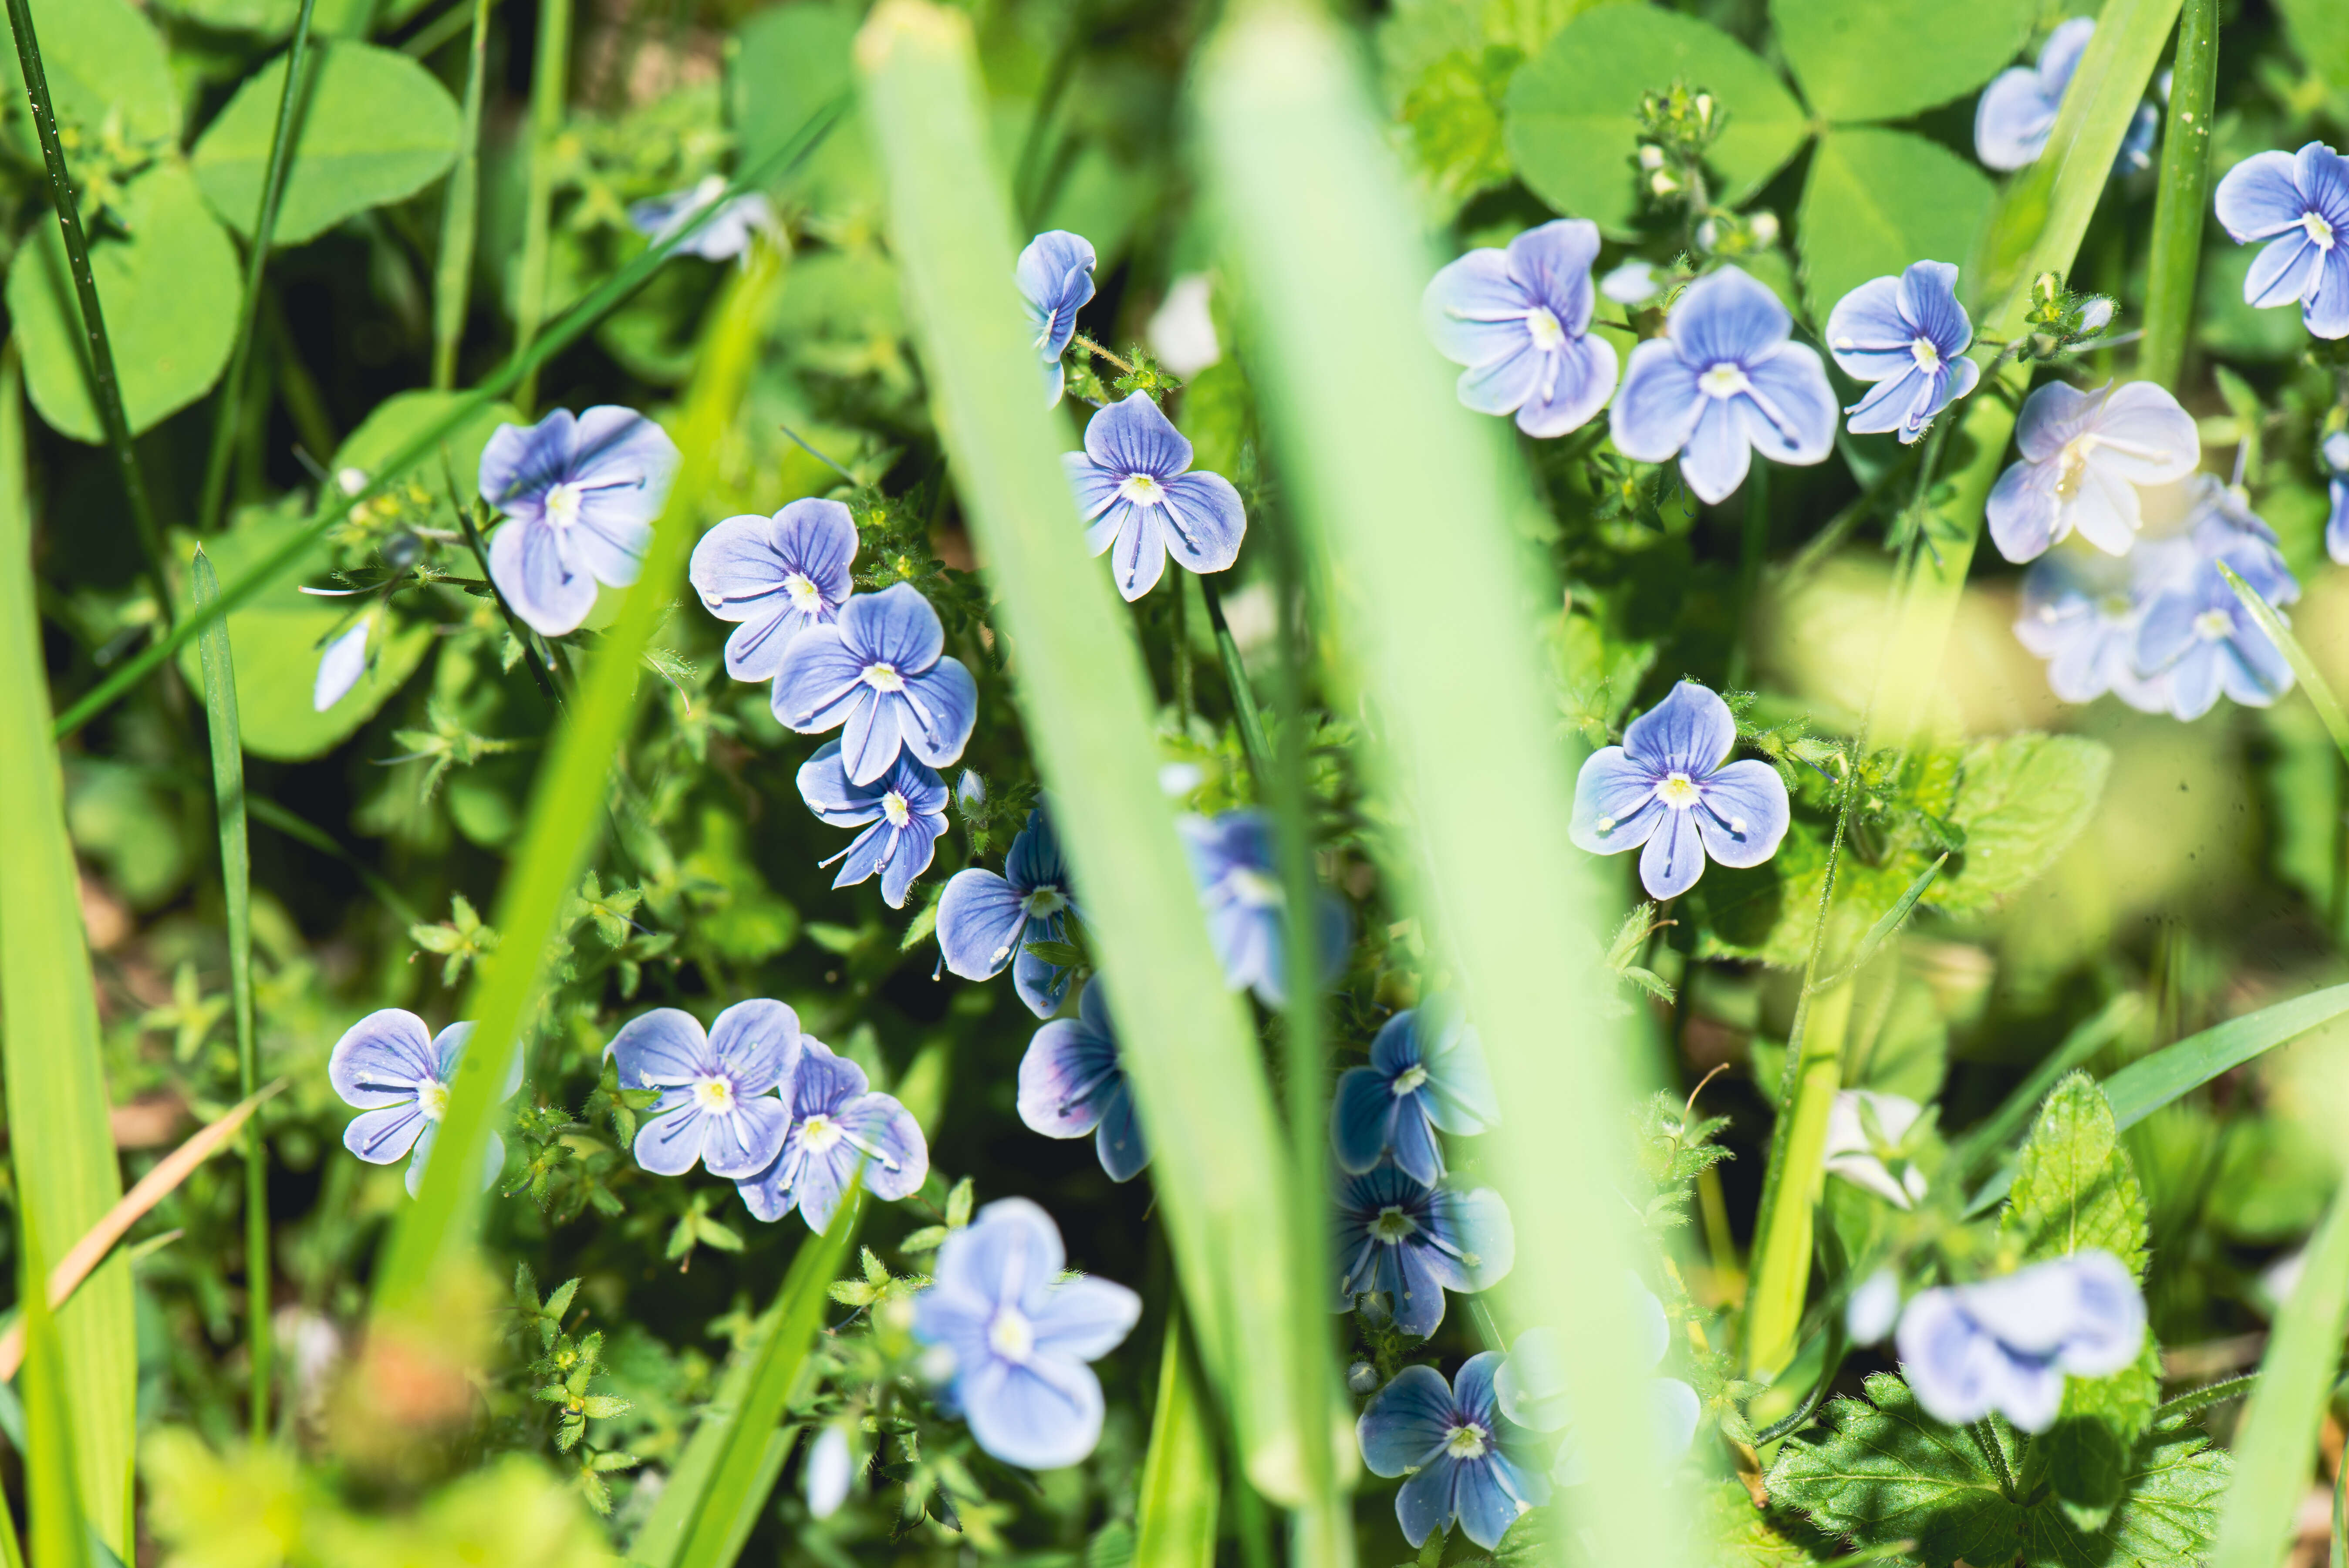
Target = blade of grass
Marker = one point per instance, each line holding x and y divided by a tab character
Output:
1325	235
2088	1037
1197	1076
236	891
452	277
2183	196
59	1137
226	406
333	504
550	81
1235	677
1887	923
1175	1516
2312	679
54	1501
105	389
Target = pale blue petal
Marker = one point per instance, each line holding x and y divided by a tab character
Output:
1429	1500
824	784
896	627
527	566
941	706
980	919
1044	1415
1719	452
1673	858
1615	804
1692	731
1580	377
1727	317
758	1043
1869	333
380	1059
1743	813
1656	412
1134	437
2260	198
1204	521
1085	1318
1406	1424
1474	309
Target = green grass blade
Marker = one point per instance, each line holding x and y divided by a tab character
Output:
2312	679
2184	195
567	814
1198	1079
550	79
453	276
236	893
61	1531
2091	1035
227	407
2275	1442
59	1137
1887	923
1174	1517
1325	236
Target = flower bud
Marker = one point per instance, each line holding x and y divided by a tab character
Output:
1763	226
1361	1378
1650	157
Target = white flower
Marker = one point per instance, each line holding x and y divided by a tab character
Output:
1853	1156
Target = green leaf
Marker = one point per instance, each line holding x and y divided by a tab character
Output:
1181	1484
2022	800
102	58
1454	113
1887	59
2074	1188
376	128
1573	124
1877	200
782	65
168	284
400	418
2319	31
269	18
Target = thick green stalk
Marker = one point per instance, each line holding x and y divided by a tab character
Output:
460	215
549	86
236	893
105	389
226	406
60	1530
1174	1515
2184	195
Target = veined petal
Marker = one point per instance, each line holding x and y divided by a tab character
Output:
1361	1119
1406	1425
1584	378
1719	451
2260	198
1138	557
873	736
1204	521
1085	1318
2012	119
1673	858
1010	1252
910	856
1501	386
1656	412
1795	405
1869	333
1728	318
1553	262
941	706
981	919
2324	308
1743	814
2023	511
746	1141
383	1135
664	1048
1134	437
1430	1500
1118	1142
1615	804
2052	416
527	565
758	1042
818	681
896	627
1474	310
824	784
1692	731
380	1059
1025	1418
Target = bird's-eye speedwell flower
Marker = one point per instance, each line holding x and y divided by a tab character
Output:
399	1077
579	495
876	674
2017	112
1427	1071
838	1127
1136	495
906	807
341	666
724	237
1413	1241
1073	1082
1467	1460
1055	274
2335	453
1519	319
986	920
718	1104
1231	860
2081	612
1852	1154
1532	1387
1721	384
1671	788
1910	335
2084	456
2006	1343
2202	640
2298	204
778	576
1019	1336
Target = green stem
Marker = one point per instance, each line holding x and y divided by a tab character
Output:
2184	193
1186	691
460	213
106	390
1236	674
1753	548
550	80
540	670
264	229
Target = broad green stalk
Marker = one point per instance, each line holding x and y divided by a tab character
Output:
1222	1183
2184	195
105	389
566	819
1326	238
61	1142
236	891
227	406
550	81
460	215
60	1529
1175	1516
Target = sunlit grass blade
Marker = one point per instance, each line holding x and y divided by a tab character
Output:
2088	1037
1174	1517
568	813
227	407
1888	922
1317	218
453	276
60	1140
1197	1077
549	83
2312	679
54	1499
2183	197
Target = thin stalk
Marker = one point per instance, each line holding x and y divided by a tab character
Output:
106	390
2184	193
1244	708
549	86
459	213
1753	548
531	653
225	407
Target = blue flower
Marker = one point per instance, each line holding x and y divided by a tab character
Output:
2136	154
1413	1241
778	576
717	1105
986	920
1056	279
1721	384
1519	319
1071	1082
838	1126
2335	453
2300	202
1231	860
2084	454
1018	1335
1467	1460
2006	1343
1672	787
906	807
1427	1071
341	665
2081	612
399	1077
1134	493
1868	1316
2017	110
2198	635
727	234
875	673
1532	1389
579	496
1910	335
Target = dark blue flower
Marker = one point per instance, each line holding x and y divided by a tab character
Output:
1056	279
579	496
1910	335
1671	788
778	576
2085	456
876	674
728	233
1413	1241
1723	383
906	807
2335	454
2300	202
2200	637
398	1076
1071	1082
2006	1343
2017	112
1467	1463
1519	319
1427	1071
1231	860
986	920
1018	1335
718	1103
1134	493
839	1126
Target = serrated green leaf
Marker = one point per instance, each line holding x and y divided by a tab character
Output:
1887	59
2022	800
2074	1187
1877	199
1452	111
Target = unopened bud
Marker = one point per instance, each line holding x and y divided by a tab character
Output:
1361	1378
1763	226
1650	157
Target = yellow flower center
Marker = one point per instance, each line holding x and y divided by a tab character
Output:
1542	325
1393	1226
1410	1079
1725	379
1142	490
883	678
1465	1442
713	1094
801	591
1011	1335
2318	229
563	505
820	1132
894	809
1678	790
432	1098
1928	356
2213	625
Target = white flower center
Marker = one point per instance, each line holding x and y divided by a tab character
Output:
820	1132
883	678
713	1094
803	593
432	1098
2318	230
1143	490
1393	1226
2213	626
1253	888
1410	1079
563	505
1465	1442
1044	903
1928	356
1010	1334
1678	790
1726	379
894	809
1542	325
2073	463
